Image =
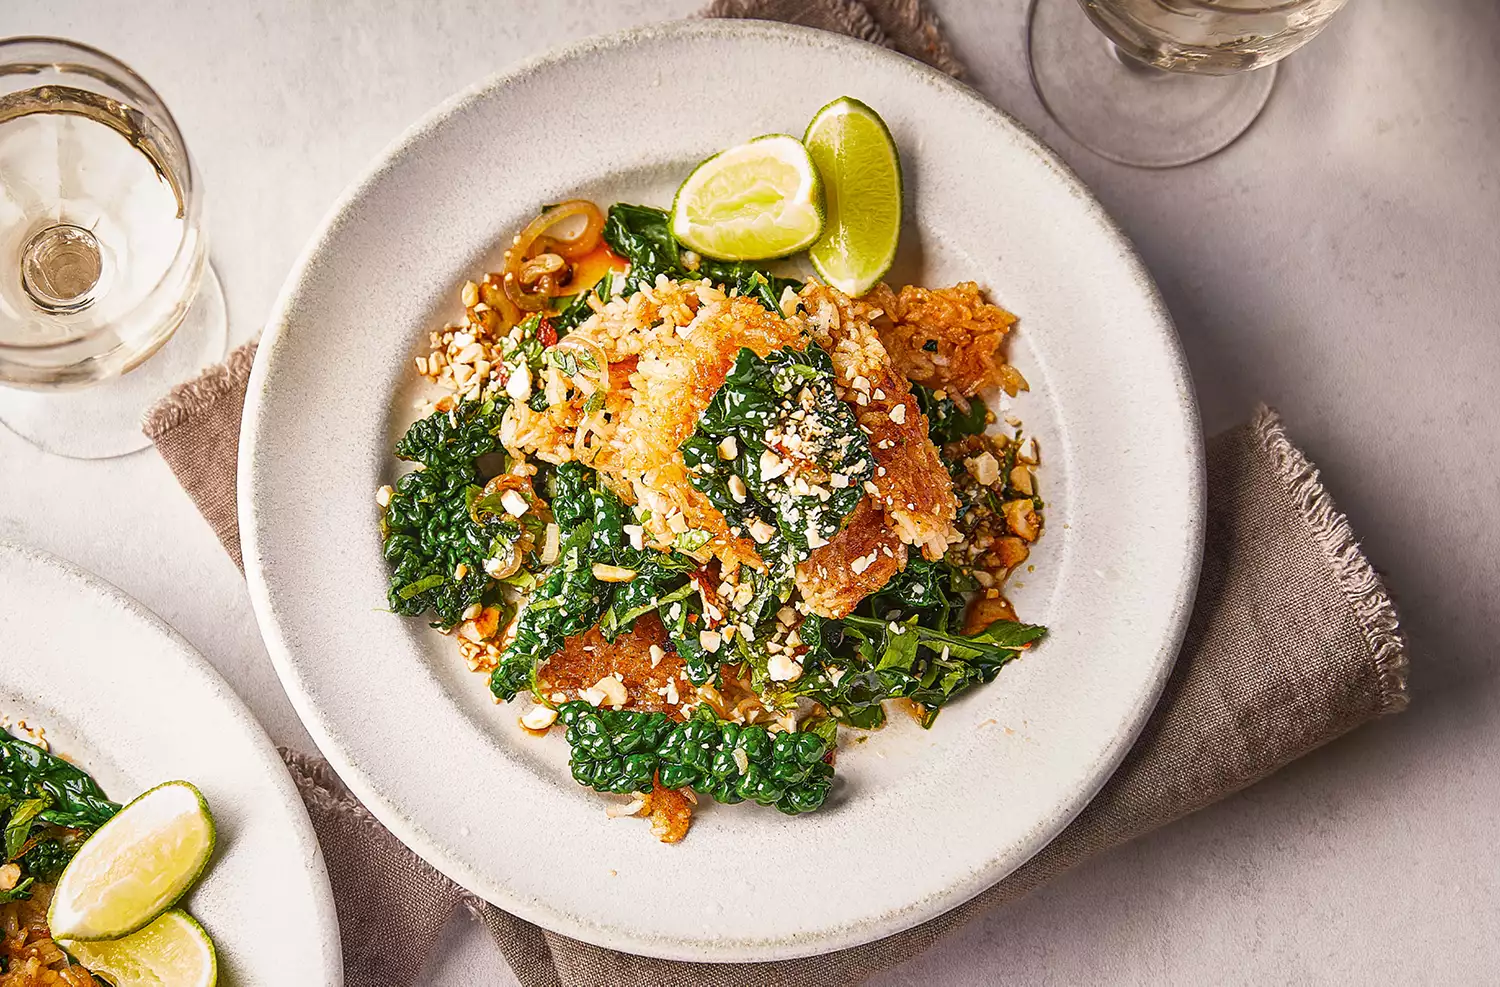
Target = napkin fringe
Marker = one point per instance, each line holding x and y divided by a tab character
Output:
1357	579
907	26
192	398
318	783
323	790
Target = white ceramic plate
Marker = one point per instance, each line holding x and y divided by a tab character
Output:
923	819
127	699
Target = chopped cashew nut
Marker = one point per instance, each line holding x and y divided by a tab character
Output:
539	718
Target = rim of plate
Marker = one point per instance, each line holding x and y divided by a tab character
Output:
388	809
193	665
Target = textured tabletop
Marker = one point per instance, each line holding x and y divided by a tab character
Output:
1341	261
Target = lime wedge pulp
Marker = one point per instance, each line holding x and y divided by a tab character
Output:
172	951
861	171
756	201
135	867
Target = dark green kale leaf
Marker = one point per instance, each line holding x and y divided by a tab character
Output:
623	751
429	534
454	439
684	619
49	855
661	579
932	590
658	575
785	403
643	236
431	529
438	520
929	666
905	641
570	485
75	801
946	420
568	601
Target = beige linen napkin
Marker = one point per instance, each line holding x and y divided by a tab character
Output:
1293	642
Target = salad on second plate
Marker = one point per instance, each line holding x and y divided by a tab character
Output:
87	888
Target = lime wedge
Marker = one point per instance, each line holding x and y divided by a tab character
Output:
173	951
756	201
135	867
861	172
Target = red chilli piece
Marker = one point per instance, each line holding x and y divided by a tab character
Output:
546	334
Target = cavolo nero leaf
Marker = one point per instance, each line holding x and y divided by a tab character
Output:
47	858
661	579
643	236
784	403
454	439
570	600
431	529
905	642
438	530
926	665
625	751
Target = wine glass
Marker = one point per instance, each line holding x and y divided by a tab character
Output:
106	295
1175	81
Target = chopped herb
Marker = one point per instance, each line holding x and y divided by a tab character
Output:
947	421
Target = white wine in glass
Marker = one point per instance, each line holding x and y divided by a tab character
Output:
1171	81
106	297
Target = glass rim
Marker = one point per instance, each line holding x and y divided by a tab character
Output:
160	114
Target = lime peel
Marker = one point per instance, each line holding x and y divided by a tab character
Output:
756	201
135	867
861	170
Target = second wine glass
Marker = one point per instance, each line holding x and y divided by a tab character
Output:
1171	81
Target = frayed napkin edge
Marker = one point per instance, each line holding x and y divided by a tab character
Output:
192	398
1357	579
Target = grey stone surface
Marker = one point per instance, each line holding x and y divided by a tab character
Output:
1341	261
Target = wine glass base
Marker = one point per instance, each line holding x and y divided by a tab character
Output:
104	421
1129	112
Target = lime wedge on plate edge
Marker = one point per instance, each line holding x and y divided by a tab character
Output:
759	200
135	867
861	172
172	951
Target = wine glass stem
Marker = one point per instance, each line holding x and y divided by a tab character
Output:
61	268
1133	64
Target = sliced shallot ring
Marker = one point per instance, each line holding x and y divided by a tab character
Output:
575	246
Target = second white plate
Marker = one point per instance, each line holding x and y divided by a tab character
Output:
123	696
